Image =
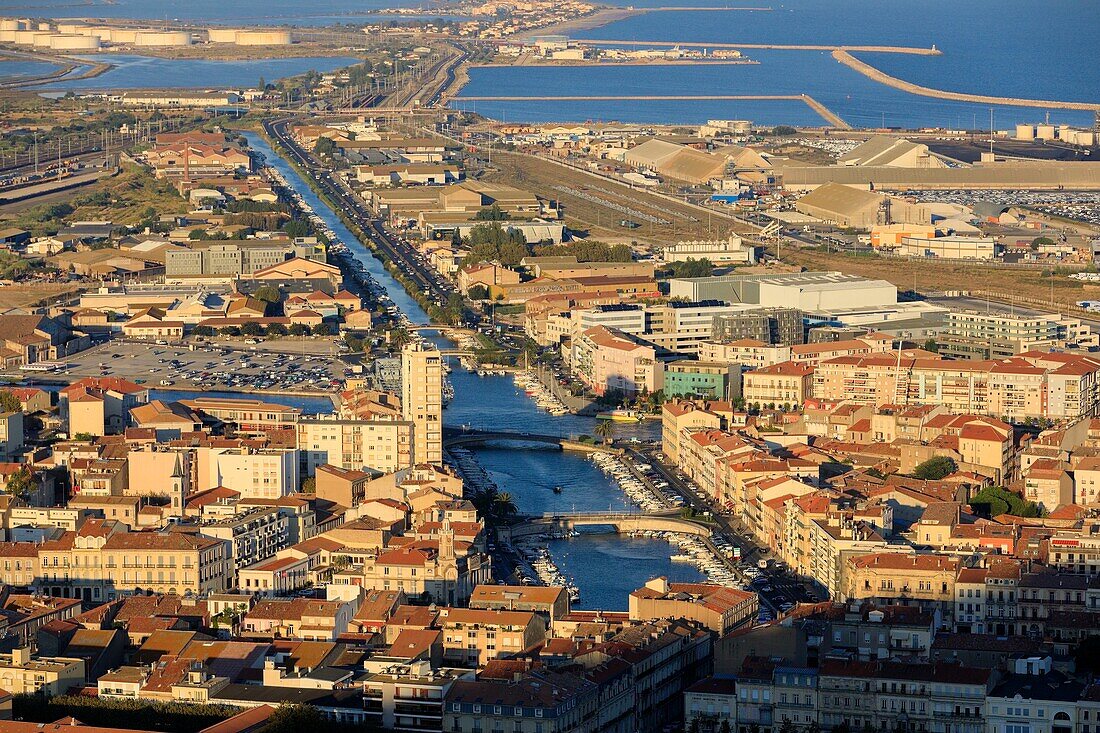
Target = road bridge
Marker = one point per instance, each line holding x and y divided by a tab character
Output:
620	522
455	437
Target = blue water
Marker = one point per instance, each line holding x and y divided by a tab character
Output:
998	47
607	567
20	69
143	72
858	100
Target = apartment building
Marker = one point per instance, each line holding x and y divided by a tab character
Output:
684	416
24	674
253	535
609	362
772	326
382	445
255	473
422	399
747	352
1030	385
545	702
716	607
975	335
101	561
231	258
786	385
472	637
888	577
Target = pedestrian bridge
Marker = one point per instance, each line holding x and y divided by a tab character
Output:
456	437
620	522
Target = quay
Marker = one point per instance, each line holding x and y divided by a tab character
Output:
914	50
828	115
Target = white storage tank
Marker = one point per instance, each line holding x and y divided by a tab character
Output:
7	36
68	28
42	40
263	38
25	38
44	27
162	38
222	35
1044	132
12	24
74	42
1025	132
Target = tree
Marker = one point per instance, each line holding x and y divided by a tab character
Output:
788	726
478	292
324	146
784	130
996	500
932	345
276	329
935	468
725	727
294	718
202	331
21	483
9	402
322	329
297	228
230	331
309	485
695	726
504	507
492	213
298	329
691	268
267	293
251	328
605	429
1041	242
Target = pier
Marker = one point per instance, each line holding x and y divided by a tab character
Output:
826	114
844	56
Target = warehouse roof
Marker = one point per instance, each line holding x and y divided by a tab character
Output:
836	197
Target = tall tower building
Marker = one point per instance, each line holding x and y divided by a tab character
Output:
422	399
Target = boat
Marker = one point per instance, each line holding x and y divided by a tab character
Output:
557	489
620	416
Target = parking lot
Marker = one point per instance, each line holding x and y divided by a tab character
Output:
210	366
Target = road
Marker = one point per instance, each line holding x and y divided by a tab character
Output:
351	206
776	589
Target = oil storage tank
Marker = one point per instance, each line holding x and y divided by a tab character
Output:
162	38
263	38
222	35
74	42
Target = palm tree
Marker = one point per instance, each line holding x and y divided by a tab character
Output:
504	507
606	430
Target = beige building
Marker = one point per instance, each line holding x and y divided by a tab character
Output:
786	385
717	607
689	416
101	561
893	576
471	637
380	445
422	399
22	674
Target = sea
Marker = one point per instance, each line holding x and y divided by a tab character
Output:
1015	48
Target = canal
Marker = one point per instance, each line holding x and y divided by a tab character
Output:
605	567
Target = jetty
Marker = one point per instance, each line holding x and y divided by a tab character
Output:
844	56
